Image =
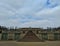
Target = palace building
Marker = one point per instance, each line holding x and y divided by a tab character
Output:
30	35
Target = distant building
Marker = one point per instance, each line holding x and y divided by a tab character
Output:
30	35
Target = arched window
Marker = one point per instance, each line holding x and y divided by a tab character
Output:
44	36
17	36
37	32
0	31
4	36
23	32
57	36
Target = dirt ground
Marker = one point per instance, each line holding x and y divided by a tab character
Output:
14	43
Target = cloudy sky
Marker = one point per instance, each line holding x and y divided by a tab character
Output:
30	13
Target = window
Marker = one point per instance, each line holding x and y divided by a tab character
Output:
37	32
0	31
23	32
17	36
44	36
4	36
57	36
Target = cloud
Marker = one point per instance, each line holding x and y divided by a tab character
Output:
39	23
34	13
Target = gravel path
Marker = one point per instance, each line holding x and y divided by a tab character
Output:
13	43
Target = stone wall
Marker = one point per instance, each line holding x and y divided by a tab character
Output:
42	35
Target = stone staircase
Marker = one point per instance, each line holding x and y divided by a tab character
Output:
30	37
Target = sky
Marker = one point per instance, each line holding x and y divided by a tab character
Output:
30	13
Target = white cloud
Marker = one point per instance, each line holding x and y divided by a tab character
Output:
35	13
41	23
50	18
